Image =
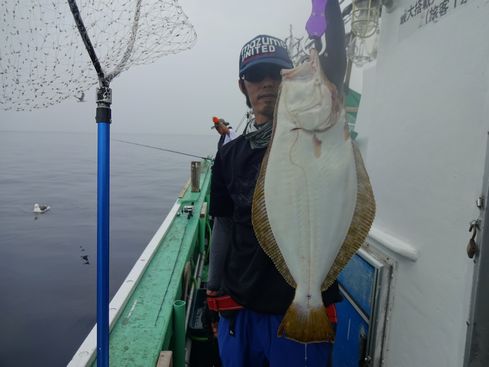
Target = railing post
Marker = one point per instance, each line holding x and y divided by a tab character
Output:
179	332
202	226
195	176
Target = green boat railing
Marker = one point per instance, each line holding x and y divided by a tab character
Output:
150	312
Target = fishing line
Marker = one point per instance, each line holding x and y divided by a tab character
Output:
163	149
246	117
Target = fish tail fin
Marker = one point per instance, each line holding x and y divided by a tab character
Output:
306	325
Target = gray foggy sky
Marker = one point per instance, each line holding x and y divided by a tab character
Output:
179	94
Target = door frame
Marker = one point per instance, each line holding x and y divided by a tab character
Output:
476	350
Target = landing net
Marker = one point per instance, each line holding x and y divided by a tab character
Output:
43	60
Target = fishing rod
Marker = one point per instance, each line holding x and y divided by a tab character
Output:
246	117
163	149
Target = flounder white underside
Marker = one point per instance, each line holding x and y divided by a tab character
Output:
310	199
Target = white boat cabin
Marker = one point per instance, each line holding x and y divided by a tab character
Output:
422	127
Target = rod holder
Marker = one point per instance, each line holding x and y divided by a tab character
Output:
195	175
179	332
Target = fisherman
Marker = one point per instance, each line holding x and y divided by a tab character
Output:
222	127
255	295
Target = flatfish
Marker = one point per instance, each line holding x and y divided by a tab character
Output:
313	204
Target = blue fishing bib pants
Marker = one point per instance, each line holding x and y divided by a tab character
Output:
255	344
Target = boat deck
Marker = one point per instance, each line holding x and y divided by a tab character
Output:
141	313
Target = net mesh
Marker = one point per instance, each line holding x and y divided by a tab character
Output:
43	59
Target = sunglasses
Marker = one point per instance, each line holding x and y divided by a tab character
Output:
259	73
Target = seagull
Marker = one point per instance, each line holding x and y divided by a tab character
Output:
81	98
40	208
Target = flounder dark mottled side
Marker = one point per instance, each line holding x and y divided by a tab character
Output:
313	203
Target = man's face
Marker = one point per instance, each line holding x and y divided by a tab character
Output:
261	84
222	129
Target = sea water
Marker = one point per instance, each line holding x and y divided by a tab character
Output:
48	261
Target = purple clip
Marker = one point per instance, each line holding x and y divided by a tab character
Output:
316	24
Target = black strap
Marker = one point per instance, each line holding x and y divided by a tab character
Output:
231	317
334	60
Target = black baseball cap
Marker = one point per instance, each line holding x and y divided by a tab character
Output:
264	49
